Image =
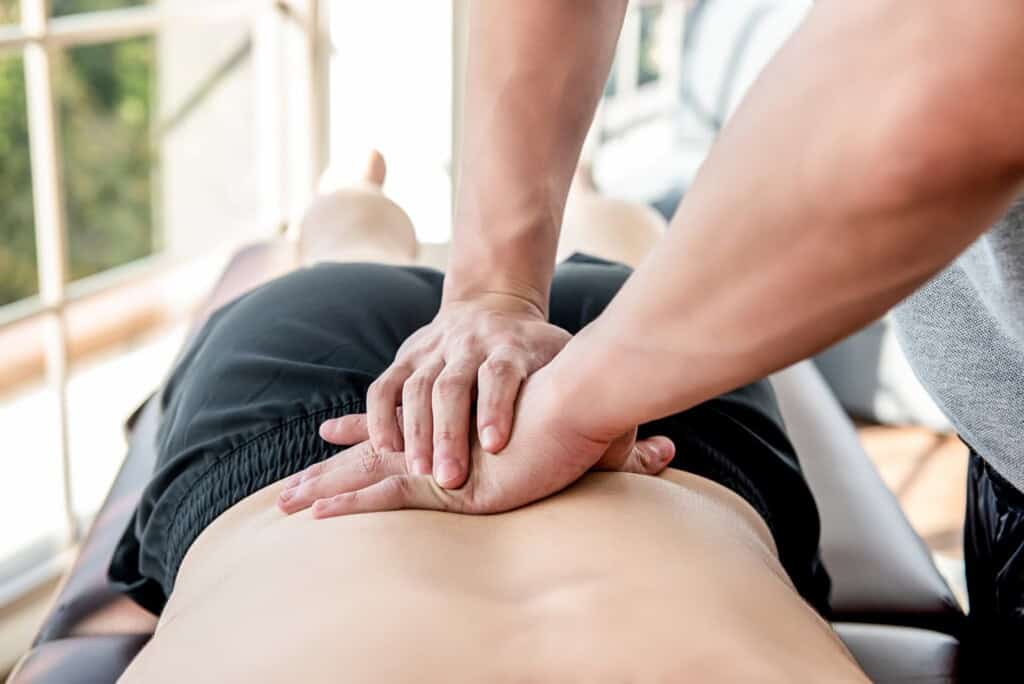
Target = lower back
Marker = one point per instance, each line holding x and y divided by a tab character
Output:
619	578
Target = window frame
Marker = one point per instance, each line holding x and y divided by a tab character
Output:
284	32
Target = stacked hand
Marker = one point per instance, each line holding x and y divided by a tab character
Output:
487	345
542	457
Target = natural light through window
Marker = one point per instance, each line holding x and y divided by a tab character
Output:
127	129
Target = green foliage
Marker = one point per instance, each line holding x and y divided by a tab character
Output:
105	99
17	242
61	7
105	107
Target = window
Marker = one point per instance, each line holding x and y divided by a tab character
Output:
648	59
637	148
105	95
127	129
59	8
18	276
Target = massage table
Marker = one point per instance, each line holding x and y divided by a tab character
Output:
891	606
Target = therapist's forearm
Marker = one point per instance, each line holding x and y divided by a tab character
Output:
535	72
864	160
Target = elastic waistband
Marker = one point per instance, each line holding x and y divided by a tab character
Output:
261	461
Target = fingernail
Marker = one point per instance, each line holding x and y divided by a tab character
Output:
489	437
664	449
446	473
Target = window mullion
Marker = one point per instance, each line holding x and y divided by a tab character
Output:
51	248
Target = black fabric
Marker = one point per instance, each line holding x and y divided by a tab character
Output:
994	559
242	408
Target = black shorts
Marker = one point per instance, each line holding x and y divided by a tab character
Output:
244	403
994	564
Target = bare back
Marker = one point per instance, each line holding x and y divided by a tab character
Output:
619	578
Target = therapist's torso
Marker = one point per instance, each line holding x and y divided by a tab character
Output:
964	335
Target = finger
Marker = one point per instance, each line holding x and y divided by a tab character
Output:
381	401
498	383
353	469
452	401
418	420
391	494
346	430
350	429
314	470
650	456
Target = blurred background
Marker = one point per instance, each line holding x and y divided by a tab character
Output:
142	142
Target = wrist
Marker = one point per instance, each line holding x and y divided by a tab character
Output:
510	267
494	298
581	381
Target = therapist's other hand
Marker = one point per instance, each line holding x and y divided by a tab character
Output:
540	459
483	347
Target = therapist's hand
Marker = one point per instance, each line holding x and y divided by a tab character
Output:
541	458
483	347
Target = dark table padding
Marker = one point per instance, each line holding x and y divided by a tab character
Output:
881	570
96	659
892	655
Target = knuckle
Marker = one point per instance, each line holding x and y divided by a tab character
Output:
306	491
466	340
501	367
507	345
325	507
417	385
369	460
448	386
376	389
386	384
414	431
379	424
444	435
312	472
339	502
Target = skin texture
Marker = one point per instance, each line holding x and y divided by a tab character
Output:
620	578
361	478
491	331
846	207
489	343
863	161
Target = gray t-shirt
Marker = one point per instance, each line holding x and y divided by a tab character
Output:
964	335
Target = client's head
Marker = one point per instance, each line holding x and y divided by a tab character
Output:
357	222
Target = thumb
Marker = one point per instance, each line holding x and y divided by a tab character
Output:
649	456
